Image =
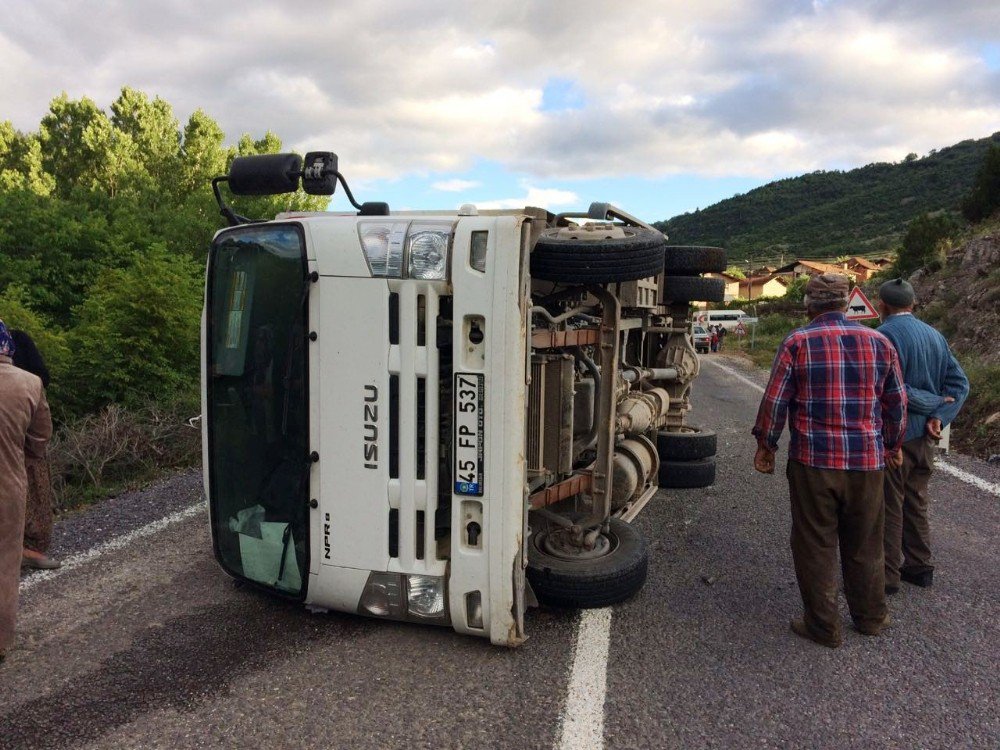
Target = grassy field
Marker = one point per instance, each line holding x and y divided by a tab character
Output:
973	432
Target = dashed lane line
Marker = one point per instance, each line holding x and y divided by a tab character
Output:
112	545
940	463
582	724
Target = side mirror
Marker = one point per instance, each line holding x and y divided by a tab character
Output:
267	174
319	176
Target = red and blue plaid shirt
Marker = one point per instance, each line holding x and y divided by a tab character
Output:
840	386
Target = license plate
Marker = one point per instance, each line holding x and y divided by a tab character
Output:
469	421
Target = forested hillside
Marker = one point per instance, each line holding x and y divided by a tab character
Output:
105	220
828	214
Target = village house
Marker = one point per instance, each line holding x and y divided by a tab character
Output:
862	268
799	268
765	286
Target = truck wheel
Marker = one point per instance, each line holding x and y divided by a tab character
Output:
588	582
692	289
687	474
687	443
690	260
573	260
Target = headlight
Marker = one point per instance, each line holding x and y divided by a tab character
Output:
428	245
383	596
397	596
382	243
425	596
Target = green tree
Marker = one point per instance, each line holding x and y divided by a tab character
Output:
735	272
796	289
68	154
21	162
926	243
984	198
137	336
105	219
154	130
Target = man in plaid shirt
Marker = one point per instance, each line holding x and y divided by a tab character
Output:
840	387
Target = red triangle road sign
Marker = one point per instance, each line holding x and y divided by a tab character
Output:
859	307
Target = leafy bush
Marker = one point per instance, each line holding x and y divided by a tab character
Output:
781	325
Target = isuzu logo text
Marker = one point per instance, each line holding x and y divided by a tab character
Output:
371	427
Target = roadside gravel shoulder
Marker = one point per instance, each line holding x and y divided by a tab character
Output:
79	531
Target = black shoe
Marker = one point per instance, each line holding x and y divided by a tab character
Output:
924	579
890	590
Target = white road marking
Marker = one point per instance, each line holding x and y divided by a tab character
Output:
735	374
119	542
583	714
967	477
939	463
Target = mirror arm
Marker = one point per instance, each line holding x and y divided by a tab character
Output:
231	216
347	191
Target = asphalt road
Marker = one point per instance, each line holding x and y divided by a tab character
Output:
151	645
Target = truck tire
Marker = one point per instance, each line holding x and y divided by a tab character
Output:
692	289
636	256
687	474
591	582
689	443
690	260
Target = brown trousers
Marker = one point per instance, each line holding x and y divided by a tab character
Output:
907	531
38	516
832	508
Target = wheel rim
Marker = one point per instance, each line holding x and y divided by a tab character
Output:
556	543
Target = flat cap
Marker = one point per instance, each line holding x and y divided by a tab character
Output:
897	293
827	287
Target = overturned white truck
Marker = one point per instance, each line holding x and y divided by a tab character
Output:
443	416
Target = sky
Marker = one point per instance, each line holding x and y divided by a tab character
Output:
658	107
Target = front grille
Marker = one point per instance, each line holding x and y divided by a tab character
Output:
419	419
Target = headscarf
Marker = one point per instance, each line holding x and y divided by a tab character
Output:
6	342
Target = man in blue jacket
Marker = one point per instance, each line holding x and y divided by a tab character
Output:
936	388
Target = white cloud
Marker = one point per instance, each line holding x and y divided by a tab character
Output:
715	88
455	186
533	196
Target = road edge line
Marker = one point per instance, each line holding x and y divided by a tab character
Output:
731	371
582	717
112	545
968	477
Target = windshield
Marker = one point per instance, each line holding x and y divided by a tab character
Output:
257	405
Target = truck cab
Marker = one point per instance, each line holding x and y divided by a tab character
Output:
442	417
